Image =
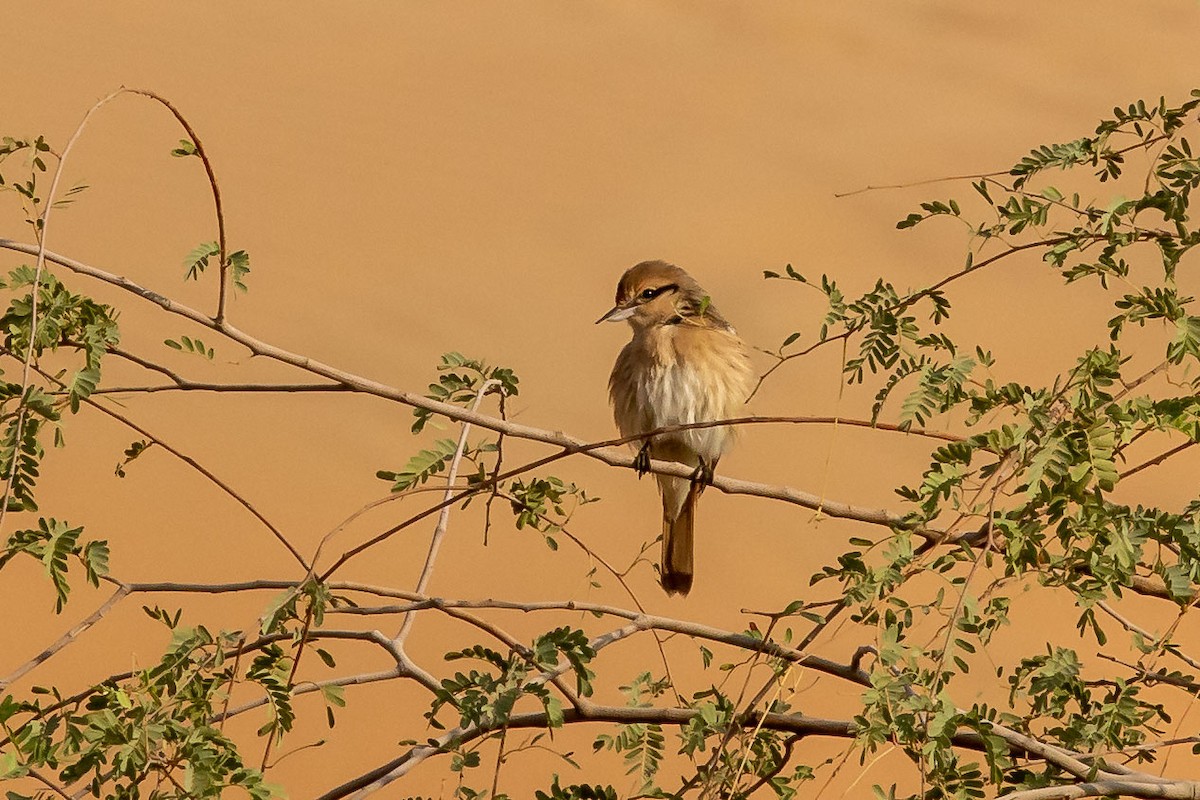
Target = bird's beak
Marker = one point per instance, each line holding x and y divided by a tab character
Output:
617	314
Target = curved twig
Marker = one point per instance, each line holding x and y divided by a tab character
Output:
196	465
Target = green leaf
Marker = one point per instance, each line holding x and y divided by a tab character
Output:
239	267
334	695
554	711
197	260
187	344
424	465
185	148
95	560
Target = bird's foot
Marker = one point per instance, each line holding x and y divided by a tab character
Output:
641	462
702	476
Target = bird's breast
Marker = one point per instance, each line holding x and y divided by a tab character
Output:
679	377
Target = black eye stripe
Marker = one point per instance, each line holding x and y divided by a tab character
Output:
650	294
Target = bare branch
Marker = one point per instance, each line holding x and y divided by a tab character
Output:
316	686
191	462
65	639
1177	790
641	621
1156	460
49	784
198	386
605	451
397	768
799	724
223	250
207	473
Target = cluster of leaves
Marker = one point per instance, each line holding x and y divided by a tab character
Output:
460	382
1032	490
539	503
237	264
151	734
187	344
132	453
56	544
1078	713
434	460
641	745
735	755
62	319
28	187
486	698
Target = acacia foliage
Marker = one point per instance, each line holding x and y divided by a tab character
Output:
1029	491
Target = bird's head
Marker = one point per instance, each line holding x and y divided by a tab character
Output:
657	293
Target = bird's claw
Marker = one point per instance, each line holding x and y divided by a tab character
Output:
702	475
641	462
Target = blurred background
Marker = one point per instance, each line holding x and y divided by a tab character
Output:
411	178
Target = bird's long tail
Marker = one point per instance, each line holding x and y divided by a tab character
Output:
678	539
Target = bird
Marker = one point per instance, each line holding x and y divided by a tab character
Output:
684	364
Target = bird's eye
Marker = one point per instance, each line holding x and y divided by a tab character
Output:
650	294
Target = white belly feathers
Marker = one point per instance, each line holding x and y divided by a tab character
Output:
654	385
678	394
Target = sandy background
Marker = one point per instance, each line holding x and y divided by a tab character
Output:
411	178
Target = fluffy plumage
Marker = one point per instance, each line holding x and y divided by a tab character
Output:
684	364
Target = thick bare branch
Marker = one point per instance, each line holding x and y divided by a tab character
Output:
1176	790
604	451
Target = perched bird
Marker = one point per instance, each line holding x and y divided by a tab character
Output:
684	364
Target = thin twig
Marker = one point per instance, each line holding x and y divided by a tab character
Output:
197	466
1154	462
439	530
562	528
223	250
1133	627
65	639
49	784
1141	145
915	297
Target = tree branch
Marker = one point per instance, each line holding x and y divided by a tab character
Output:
799	724
1177	790
197	466
65	639
604	451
